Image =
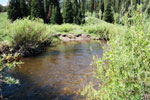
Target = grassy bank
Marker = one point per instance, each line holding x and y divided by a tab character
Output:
124	71
27	36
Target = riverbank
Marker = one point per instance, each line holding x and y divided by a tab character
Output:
78	37
30	37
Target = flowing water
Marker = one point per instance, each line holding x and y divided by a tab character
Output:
58	74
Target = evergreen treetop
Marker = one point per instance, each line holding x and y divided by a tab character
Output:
68	12
37	9
108	14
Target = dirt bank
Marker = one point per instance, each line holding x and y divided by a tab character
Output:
79	37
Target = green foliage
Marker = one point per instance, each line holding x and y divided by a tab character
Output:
80	17
53	16
78	12
117	18
23	8
4	22
92	3
108	14
37	9
29	6
27	36
75	11
102	30
14	10
1	8
64	28
68	12
56	17
124	70
9	62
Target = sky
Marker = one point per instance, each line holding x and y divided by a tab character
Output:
4	2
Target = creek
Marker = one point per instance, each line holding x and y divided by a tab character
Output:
60	73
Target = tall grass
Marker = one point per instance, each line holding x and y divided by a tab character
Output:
124	71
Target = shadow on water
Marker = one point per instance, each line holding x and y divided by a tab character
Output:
58	74
36	92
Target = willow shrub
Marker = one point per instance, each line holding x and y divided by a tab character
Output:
8	62
27	35
124	71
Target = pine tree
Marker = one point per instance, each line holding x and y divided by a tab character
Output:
75	11
108	14
68	12
14	10
91	6
23	8
46	6
53	17
102	6
59	19
79	17
52	12
56	17
47	10
1	8
81	13
37	9
29	7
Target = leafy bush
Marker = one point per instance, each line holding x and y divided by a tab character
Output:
8	62
103	29
124	71
26	36
117	18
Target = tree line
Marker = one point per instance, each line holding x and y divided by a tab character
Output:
3	8
49	10
71	11
108	8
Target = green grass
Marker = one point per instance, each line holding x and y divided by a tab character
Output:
4	22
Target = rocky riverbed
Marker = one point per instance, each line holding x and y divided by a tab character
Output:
78	37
